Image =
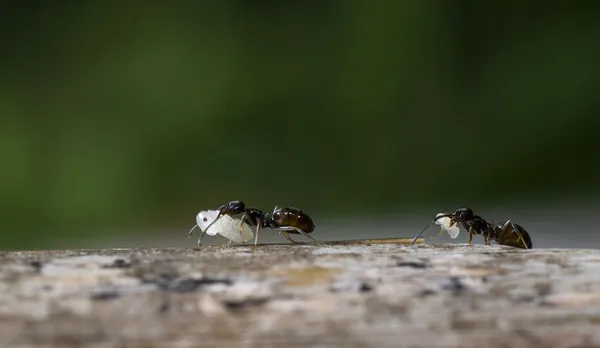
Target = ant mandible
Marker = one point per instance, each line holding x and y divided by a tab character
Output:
285	219
504	233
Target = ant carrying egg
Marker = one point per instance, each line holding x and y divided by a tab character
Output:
504	233
286	220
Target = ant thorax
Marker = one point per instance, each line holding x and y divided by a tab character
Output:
479	226
258	217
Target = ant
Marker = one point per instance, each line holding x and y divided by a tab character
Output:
285	220
504	233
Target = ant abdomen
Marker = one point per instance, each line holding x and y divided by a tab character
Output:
293	217
510	234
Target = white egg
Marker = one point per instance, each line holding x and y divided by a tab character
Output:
225	226
445	223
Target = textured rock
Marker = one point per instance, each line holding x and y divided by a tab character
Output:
286	295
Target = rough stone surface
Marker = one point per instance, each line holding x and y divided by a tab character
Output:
301	295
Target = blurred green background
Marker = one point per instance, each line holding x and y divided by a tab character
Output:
124	119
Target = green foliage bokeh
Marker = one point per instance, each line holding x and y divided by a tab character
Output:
115	115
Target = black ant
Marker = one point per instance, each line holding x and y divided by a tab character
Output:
285	220
504	233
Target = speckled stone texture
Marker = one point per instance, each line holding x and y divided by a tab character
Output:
301	295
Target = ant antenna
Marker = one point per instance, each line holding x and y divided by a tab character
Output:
217	218
192	230
420	233
432	222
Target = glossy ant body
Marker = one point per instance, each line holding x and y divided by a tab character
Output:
504	233
285	219
292	220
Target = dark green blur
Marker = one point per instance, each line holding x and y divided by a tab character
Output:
130	116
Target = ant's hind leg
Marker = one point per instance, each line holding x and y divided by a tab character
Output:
306	235
287	236
289	228
515	230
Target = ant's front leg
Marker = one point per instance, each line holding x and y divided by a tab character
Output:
470	235
242	223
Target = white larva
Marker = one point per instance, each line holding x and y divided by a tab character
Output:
445	223
225	226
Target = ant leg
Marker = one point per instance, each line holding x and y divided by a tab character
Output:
470	235
242	224
515	230
287	236
488	240
305	234
257	232
284	230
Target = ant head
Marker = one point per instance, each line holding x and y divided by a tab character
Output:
462	214
232	208
236	204
459	215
